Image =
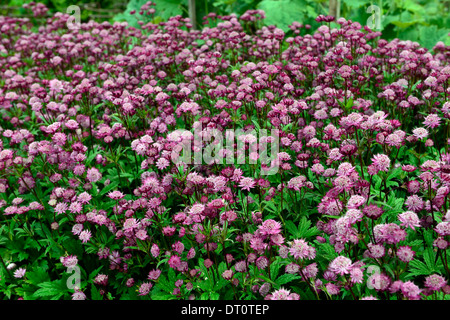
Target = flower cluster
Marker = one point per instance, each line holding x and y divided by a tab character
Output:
91	117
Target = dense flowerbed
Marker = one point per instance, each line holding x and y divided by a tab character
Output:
94	205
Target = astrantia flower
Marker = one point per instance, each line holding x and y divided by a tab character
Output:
405	254
292	268
382	162
435	282
355	201
420	133
332	288
69	261
376	250
75	207
372	211
354	215
84	198
142	235
283	294
441	243
77	228
85	236
115	195
300	249
389	233
264	289
154	274
93	175
262	262
246	183
410	290
356	275
240	266
101	279
369	298
144	288
341	265
414	203
379	281
270	227
443	228
60	208
432	121
174	261
227	274
409	219
78	295
19	273
162	163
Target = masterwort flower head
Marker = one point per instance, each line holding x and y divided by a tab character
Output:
341	265
19	273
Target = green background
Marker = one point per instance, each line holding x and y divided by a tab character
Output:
424	21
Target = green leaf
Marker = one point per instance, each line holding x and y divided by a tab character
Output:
38	276
214	296
418	268
204	296
430	35
304	230
95	295
285	278
164	10
292	228
275	268
282	13
164	284
109	187
51	289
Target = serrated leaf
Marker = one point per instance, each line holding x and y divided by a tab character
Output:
109	187
274	269
48	289
282	13
164	284
418	268
292	228
214	296
305	230
286	278
95	295
38	276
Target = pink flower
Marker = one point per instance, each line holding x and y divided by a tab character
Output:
162	163
435	282
420	133
341	265
61	207
246	183
300	249
282	294
405	254
85	236
115	195
270	227
409	219
93	175
382	162
19	273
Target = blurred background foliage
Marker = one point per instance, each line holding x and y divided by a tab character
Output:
424	21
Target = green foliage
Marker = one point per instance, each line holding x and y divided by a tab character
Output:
164	10
282	13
